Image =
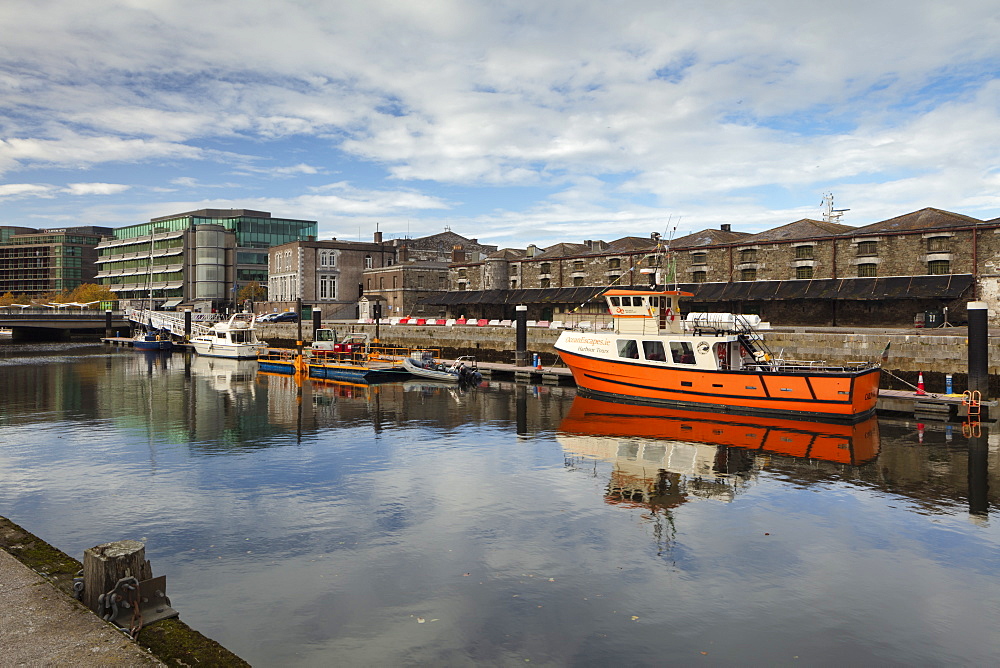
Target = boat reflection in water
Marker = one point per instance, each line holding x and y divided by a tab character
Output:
225	374
663	455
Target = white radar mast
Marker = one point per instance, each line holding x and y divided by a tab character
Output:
831	215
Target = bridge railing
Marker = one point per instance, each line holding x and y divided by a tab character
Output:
171	320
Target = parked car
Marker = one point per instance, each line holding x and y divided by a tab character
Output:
287	316
266	317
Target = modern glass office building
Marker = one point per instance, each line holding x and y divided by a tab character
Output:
41	262
195	257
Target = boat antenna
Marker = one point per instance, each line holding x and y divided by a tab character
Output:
662	253
662	248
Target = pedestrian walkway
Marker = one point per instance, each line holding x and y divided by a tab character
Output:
42	626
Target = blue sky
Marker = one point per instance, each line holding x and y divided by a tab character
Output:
514	121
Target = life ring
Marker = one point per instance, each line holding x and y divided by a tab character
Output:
670	314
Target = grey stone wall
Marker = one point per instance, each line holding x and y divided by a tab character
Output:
919	350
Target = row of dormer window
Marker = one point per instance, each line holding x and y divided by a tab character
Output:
806	252
864	270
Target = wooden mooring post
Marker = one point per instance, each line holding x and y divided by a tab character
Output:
106	564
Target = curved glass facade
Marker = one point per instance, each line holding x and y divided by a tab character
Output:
193	254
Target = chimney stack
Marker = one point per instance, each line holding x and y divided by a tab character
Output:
378	237
726	227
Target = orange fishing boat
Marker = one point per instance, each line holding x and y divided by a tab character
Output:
715	362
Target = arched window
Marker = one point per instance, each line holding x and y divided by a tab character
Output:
368	262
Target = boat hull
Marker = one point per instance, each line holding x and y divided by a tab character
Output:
153	346
847	395
429	374
211	348
356	373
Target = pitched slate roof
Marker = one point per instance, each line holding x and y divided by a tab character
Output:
563	250
629	244
800	229
508	254
924	219
709	237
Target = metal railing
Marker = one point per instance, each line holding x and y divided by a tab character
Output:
170	320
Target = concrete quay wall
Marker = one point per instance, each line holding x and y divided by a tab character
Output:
911	350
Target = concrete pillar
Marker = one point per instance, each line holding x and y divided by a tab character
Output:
979	348
521	345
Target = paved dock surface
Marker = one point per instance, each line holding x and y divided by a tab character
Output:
42	626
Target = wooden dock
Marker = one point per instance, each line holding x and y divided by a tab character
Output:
129	342
552	375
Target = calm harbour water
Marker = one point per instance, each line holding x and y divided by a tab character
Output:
416	524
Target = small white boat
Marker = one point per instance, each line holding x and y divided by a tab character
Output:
423	365
235	338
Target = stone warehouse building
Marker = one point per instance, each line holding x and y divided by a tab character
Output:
809	272
419	273
327	275
335	275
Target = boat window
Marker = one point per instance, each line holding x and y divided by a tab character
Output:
628	348
615	301
220	335
653	350
682	352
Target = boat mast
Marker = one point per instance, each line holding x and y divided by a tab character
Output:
150	279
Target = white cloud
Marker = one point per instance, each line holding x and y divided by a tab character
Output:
581	112
96	188
81	152
15	190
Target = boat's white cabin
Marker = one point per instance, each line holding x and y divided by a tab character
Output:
643	312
